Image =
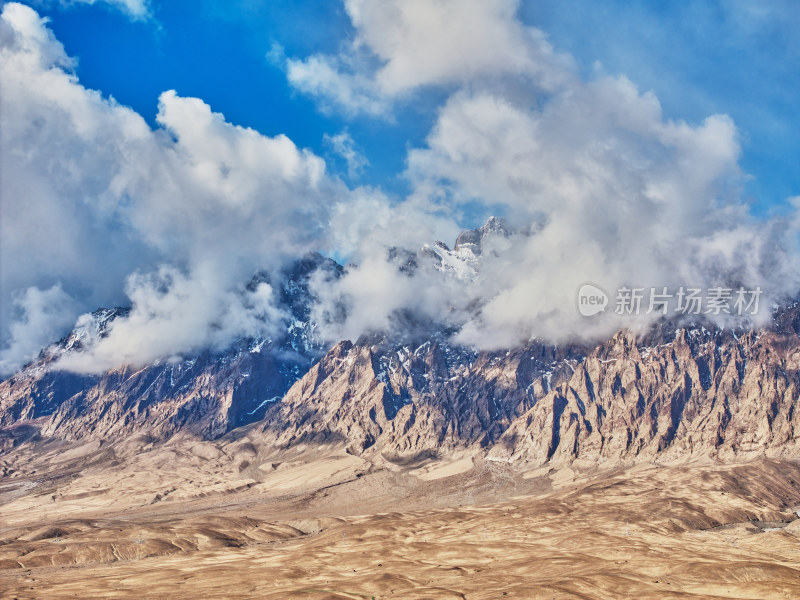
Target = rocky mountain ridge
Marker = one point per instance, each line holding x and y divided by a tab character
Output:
702	393
207	394
677	392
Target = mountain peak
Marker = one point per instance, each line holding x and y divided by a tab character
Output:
472	239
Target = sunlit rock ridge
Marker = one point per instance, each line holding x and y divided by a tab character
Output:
677	391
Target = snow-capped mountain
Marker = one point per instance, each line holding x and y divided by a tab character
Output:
463	260
676	392
208	394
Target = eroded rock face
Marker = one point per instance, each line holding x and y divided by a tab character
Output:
207	395
695	393
689	392
673	393
701	394
405	400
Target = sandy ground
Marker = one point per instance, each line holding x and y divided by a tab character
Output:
198	520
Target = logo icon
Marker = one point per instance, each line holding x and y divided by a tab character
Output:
591	300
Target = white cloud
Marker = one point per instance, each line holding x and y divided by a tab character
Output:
402	45
176	313
324	77
344	146
135	9
223	190
91	194
613	194
62	147
617	195
43	316
420	42
99	207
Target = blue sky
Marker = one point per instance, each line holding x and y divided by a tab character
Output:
218	51
737	58
699	58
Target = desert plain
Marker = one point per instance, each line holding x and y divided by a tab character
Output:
228	519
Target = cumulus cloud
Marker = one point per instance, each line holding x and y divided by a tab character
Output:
96	201
598	184
62	147
616	195
378	293
402	45
600	188
43	315
175	313
223	190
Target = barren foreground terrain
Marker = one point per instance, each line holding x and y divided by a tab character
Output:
225	520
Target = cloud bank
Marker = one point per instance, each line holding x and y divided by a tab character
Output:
99	208
608	190
172	221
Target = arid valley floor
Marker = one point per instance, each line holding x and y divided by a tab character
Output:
226	520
